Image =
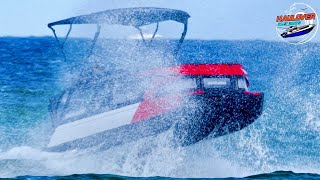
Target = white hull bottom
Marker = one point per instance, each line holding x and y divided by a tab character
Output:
92	125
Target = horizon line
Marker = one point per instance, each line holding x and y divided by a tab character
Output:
193	39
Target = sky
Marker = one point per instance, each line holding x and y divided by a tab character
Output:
210	19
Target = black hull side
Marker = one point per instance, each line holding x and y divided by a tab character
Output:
216	114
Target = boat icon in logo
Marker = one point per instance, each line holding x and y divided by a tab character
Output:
293	31
299	24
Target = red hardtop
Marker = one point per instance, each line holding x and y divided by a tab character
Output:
211	69
201	69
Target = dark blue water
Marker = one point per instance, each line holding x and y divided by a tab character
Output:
284	139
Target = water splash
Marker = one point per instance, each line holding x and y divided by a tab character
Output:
285	137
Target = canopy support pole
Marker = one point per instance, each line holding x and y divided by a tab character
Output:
141	34
61	45
183	35
155	32
94	41
69	31
153	35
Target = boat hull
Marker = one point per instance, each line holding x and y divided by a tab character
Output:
197	117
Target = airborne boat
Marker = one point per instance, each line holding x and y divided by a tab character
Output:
195	100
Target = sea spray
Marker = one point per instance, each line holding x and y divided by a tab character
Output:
283	138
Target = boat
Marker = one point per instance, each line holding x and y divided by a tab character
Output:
294	31
192	100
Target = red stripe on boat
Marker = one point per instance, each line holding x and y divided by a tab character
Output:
252	93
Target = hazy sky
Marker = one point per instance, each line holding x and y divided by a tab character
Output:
210	19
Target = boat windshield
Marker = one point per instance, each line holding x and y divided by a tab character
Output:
242	83
177	86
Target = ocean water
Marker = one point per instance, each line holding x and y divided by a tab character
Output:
283	143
